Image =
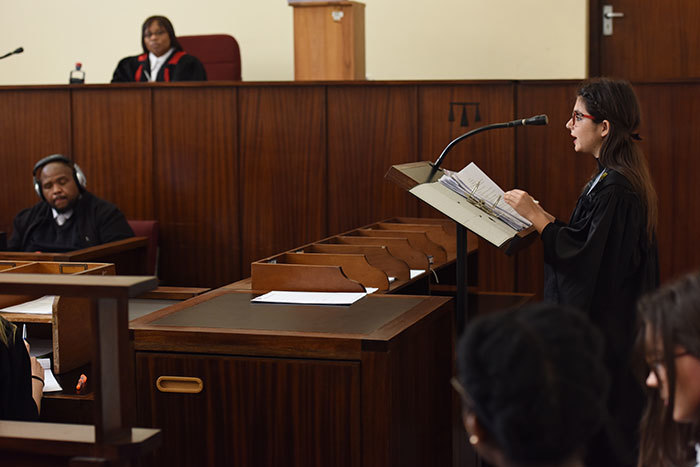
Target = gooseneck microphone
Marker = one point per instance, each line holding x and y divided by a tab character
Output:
18	50
536	120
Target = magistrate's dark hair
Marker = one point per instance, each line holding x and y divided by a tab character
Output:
616	102
167	25
536	379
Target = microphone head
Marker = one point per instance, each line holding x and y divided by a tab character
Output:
19	50
537	120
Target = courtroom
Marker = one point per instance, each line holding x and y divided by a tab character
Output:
347	233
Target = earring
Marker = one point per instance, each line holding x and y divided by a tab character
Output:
473	440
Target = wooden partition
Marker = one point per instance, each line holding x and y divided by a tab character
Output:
235	172
69	323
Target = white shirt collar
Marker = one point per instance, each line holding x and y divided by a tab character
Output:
157	63
603	173
62	217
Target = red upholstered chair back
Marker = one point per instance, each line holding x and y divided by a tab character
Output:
148	229
219	53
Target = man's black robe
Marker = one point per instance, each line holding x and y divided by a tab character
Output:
94	222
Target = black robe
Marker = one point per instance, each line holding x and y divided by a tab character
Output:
94	222
601	263
187	68
16	402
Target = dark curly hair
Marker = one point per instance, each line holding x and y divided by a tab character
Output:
536	381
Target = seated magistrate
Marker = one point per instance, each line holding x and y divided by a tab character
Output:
68	217
162	59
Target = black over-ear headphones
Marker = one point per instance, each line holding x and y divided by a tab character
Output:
78	174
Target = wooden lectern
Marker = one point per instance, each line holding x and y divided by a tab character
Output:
329	40
421	180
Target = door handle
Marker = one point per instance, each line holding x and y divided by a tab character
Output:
608	16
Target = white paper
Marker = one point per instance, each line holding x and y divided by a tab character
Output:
50	383
462	211
472	181
391	279
371	289
416	272
310	298
40	306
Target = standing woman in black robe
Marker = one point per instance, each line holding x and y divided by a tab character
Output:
605	258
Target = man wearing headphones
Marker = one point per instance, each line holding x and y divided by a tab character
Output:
68	217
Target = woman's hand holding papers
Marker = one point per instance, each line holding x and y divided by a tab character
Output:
527	207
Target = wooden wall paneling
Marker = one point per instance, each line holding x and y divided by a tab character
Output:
35	123
493	152
112	143
547	166
370	128
196	180
670	141
282	169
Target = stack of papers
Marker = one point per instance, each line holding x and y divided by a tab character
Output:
482	192
40	306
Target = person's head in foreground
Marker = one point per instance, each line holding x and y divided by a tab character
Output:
533	385
671	342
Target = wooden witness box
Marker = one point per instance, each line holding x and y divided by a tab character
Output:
232	382
329	40
71	327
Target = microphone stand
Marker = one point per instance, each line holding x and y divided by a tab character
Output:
462	305
16	51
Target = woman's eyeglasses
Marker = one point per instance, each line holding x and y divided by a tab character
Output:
577	116
148	34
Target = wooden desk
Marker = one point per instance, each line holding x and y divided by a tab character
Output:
128	255
363	385
111	440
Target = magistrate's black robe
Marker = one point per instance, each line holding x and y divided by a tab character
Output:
186	68
601	263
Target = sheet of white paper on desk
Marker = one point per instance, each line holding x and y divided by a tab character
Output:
416	272
50	383
310	298
40	306
371	289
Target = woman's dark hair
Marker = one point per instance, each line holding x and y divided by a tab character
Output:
670	317
7	332
615	101
167	25
536	380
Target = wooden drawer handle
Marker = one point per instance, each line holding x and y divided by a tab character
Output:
180	384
